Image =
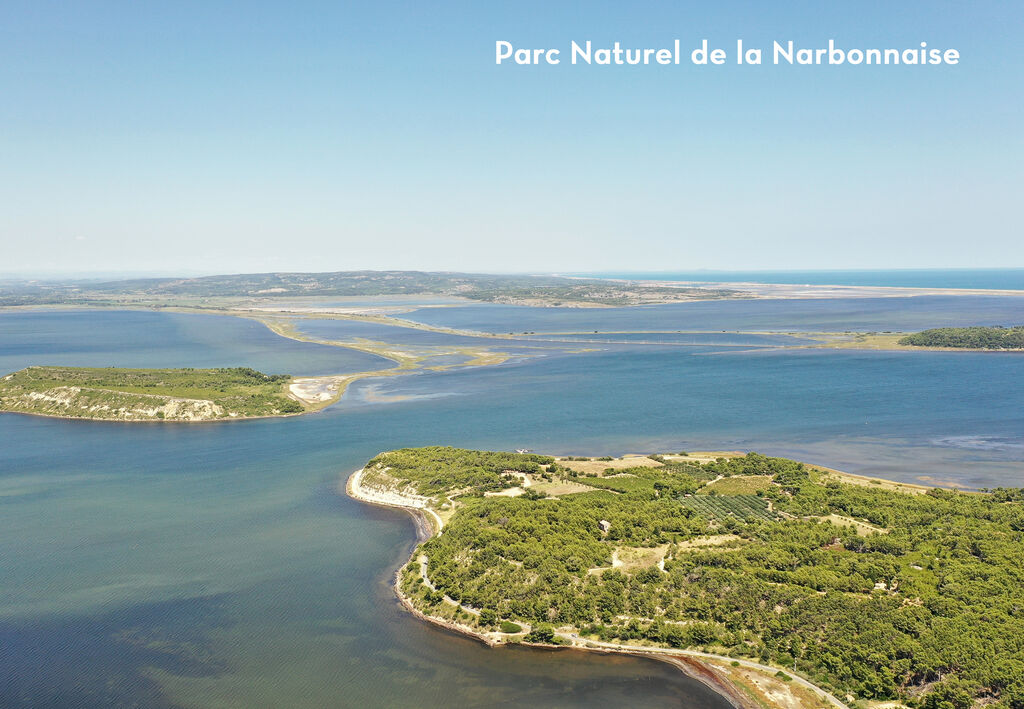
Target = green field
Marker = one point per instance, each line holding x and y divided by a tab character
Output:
739	485
723	506
147	394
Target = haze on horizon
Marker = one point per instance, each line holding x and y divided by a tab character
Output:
193	139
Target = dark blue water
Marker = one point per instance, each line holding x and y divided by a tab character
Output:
809	315
953	416
985	278
217	565
149	339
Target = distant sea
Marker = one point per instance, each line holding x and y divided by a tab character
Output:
982	278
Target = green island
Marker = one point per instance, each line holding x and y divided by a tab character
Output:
154	394
979	338
837	588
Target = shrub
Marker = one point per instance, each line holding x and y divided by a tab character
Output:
541	633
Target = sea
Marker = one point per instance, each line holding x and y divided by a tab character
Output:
221	565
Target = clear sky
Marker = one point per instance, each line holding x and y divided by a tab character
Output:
249	136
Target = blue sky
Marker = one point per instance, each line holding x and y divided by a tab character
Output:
229	137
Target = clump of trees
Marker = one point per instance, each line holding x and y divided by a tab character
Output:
984	338
436	469
254	375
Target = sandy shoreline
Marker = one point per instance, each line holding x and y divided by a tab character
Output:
694	664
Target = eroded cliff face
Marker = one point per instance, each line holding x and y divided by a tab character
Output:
81	402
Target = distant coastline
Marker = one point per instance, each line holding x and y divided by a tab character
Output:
580	290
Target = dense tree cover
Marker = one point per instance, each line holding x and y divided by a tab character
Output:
113	392
435	469
249	374
985	338
929	610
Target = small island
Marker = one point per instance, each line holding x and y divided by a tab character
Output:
773	575
977	338
175	395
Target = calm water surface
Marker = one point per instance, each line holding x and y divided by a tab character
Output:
146	339
806	315
969	278
217	565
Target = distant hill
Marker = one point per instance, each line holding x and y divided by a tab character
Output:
514	289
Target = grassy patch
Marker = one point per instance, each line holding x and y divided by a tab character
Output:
740	485
633	558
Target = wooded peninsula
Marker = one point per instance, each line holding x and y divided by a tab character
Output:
870	590
149	394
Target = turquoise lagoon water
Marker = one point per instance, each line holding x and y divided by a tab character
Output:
217	565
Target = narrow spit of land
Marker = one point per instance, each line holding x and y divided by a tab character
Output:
192	395
282	318
972	339
791	585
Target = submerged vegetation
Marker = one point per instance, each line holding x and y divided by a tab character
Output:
864	590
147	394
982	338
